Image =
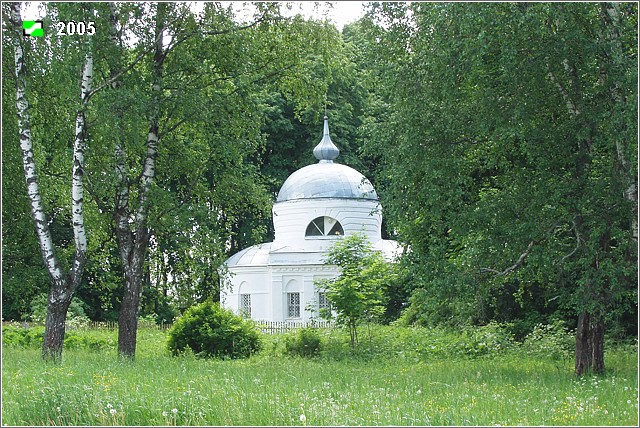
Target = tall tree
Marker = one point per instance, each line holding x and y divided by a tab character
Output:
510	151
62	286
192	80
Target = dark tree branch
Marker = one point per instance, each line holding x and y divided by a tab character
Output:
578	239
522	257
173	127
96	197
267	77
187	36
513	267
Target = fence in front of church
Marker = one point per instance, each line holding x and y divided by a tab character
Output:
275	327
267	327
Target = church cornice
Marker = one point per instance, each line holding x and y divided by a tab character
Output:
308	268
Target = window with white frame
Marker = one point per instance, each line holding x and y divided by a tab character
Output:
324	226
323	302
245	305
293	305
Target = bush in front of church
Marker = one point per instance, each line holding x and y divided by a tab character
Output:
209	330
305	343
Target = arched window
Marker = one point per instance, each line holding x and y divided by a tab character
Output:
324	226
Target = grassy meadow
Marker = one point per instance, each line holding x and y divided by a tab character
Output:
403	376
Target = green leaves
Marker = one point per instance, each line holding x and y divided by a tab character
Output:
495	139
358	293
213	332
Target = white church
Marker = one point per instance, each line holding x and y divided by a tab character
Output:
316	206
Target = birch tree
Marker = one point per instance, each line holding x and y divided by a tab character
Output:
63	286
133	246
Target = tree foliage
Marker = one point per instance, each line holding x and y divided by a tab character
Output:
502	139
176	117
357	294
510	153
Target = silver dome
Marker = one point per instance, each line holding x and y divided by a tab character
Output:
326	180
257	255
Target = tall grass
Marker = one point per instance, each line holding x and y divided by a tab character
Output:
392	384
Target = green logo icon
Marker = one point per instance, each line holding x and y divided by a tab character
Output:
32	28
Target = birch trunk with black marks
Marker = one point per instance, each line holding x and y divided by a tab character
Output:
62	286
133	245
611	15
122	214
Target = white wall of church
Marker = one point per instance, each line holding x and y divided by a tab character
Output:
282	293
253	281
290	218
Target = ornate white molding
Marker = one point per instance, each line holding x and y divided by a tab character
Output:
304	268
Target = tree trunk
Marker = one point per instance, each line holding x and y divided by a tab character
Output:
57	306
130	308
133	250
589	344
128	320
33	189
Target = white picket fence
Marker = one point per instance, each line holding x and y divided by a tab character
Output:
276	327
91	325
267	327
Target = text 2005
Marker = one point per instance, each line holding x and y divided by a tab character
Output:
72	28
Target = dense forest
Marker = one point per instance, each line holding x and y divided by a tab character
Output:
501	138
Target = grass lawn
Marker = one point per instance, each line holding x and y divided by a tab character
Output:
509	388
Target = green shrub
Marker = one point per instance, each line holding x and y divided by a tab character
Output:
211	331
550	341
13	336
305	343
92	341
73	339
482	340
22	337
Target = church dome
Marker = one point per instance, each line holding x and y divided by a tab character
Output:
326	179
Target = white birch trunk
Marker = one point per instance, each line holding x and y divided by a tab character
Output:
26	144
149	170
77	191
78	159
610	15
148	175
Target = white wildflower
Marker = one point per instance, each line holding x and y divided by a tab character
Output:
112	411
174	411
303	418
